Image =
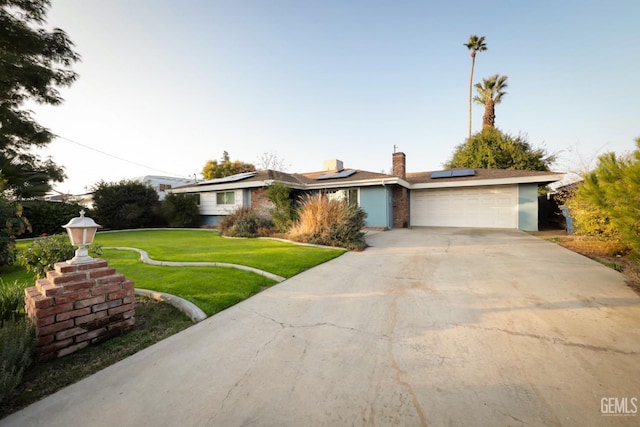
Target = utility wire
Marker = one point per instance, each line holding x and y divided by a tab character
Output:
118	158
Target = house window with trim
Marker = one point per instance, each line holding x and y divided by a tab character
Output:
350	195
226	198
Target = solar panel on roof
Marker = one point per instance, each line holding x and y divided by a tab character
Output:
441	174
455	173
232	178
341	174
463	172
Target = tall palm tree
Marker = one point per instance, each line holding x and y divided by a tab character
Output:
490	93
476	44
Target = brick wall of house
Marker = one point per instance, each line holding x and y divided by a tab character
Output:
77	305
260	201
400	195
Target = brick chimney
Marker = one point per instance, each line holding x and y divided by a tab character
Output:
399	168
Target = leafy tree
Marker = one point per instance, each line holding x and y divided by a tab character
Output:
33	63
219	169
181	210
490	93
475	44
614	188
492	149
125	204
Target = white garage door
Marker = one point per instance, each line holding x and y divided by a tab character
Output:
490	207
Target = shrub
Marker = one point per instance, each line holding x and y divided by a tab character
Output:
11	299
43	254
589	219
283	212
245	222
181	210
49	217
329	222
17	345
612	193
125	204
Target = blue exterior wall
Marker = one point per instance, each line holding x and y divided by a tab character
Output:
210	220
528	207
375	201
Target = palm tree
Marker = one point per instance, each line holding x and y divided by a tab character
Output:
476	44
490	93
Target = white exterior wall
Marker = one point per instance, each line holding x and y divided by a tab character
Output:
208	205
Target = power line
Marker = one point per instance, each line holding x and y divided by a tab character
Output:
117	157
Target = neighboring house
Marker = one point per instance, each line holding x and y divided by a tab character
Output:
162	183
488	198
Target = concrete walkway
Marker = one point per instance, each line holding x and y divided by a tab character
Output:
426	327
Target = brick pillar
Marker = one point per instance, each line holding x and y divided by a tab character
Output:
400	195
77	305
400	198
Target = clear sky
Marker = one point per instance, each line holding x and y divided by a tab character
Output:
170	84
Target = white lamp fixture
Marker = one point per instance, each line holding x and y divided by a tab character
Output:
81	232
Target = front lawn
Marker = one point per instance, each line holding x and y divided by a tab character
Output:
211	288
281	258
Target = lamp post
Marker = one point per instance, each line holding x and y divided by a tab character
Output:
81	232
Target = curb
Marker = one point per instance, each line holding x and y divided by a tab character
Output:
144	256
190	309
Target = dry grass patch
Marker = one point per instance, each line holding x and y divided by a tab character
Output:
610	252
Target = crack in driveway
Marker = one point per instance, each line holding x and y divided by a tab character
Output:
553	340
285	325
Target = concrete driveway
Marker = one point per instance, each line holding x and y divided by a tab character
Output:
427	327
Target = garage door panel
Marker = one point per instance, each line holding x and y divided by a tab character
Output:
491	207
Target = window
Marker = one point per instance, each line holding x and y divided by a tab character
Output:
226	198
197	199
164	187
349	195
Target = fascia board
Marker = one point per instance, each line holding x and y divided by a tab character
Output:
539	179
361	183
206	188
319	186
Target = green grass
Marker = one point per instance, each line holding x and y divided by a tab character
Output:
11	273
211	288
281	258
